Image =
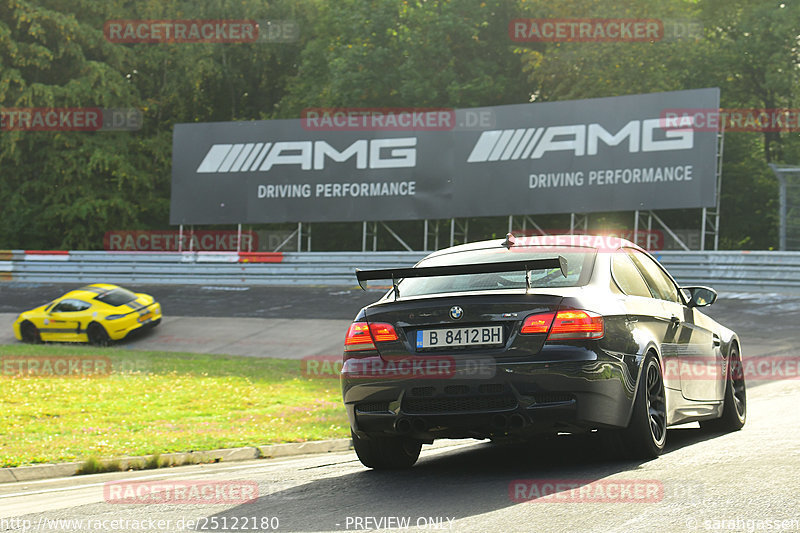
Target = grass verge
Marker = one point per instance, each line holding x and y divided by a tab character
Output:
158	402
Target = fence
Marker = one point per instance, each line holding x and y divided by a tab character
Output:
740	270
244	268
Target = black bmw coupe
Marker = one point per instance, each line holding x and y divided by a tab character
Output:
527	336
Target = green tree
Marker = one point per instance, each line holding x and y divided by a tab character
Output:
65	189
368	53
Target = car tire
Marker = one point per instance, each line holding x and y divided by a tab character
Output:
97	335
646	434
30	333
734	410
386	452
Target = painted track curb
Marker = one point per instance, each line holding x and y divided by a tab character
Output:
272	451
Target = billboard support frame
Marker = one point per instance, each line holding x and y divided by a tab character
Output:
431	230
526	219
637	217
365	234
579	221
297	233
709	224
459	230
650	216
782	209
300	236
397	237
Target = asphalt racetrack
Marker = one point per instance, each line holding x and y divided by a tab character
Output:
745	481
235	320
270	321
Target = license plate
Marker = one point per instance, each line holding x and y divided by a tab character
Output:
143	318
446	338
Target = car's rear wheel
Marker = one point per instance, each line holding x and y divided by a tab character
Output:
386	451
97	335
734	411
646	435
30	333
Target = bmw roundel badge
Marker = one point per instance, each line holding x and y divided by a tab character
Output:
456	312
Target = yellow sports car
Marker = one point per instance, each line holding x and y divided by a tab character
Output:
96	313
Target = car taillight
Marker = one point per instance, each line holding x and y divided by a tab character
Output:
358	337
363	336
567	324
537	323
576	324
383	332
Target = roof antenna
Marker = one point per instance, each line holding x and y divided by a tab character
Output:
510	240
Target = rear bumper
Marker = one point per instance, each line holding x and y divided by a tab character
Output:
565	389
132	324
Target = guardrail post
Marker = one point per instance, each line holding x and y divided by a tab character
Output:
299	236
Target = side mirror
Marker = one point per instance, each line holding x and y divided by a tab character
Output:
700	296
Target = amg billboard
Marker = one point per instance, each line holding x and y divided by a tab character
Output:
605	154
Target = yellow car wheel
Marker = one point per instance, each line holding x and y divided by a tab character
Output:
30	333
97	334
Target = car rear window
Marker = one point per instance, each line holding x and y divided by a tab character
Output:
579	270
117	297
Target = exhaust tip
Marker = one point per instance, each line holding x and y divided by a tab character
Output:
402	425
517	421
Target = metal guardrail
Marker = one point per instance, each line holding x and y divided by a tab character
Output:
739	270
203	268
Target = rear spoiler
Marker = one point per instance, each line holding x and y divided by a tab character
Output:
396	274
